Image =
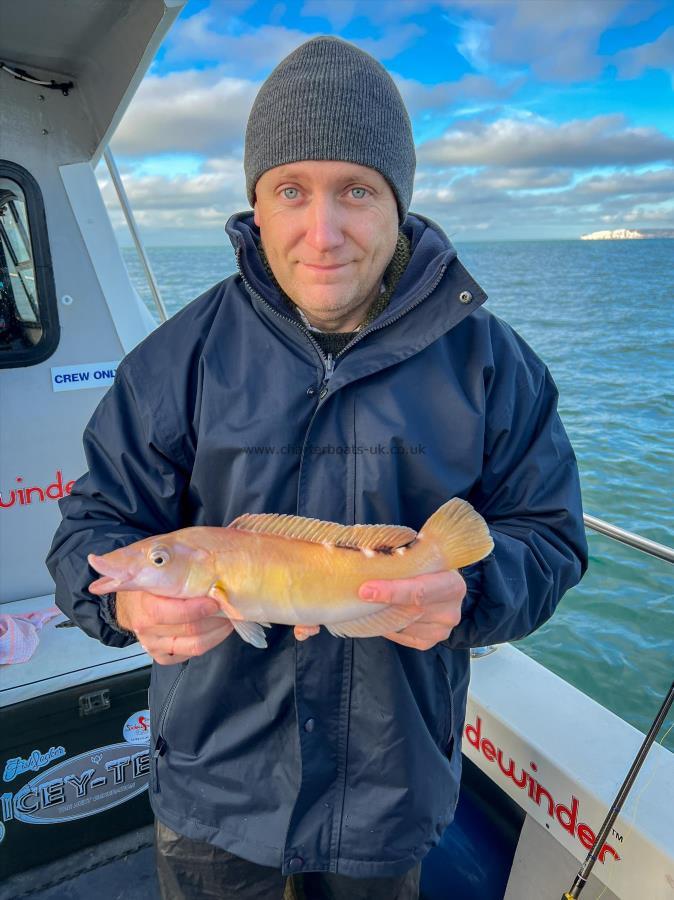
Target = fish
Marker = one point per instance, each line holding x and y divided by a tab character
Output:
271	568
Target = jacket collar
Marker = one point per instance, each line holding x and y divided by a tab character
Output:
433	284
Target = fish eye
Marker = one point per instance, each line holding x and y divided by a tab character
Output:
159	556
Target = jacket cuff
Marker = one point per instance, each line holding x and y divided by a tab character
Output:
473	575
108	612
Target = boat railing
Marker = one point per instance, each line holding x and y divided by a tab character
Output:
629	538
135	234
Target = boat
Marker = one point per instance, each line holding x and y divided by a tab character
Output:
542	761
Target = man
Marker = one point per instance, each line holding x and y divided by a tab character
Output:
348	373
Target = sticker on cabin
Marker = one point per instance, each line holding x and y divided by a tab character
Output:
137	728
85	375
81	786
18	765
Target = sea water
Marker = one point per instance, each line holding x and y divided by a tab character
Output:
601	316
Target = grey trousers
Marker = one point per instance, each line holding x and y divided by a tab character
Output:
196	870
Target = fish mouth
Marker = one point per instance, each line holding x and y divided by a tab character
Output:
113	578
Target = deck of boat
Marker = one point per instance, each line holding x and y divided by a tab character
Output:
119	869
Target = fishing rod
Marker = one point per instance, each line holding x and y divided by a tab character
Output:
591	859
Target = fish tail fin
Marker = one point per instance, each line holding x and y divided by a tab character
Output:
460	532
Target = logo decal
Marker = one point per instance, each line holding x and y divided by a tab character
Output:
23	495
137	728
567	816
81	786
17	765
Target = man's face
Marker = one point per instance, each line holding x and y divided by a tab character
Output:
329	230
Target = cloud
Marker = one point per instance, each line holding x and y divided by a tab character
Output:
468	204
191	111
494	202
599	141
390	44
180	209
659	54
559	40
338	14
230	44
205	112
419	97
659	182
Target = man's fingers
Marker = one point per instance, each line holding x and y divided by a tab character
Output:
169	611
169	650
302	632
448	614
420	590
419	636
190	629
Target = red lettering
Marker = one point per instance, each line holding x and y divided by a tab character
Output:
566	817
510	772
471	730
551	804
586	836
11	502
488	749
24	496
58	484
568	823
607	848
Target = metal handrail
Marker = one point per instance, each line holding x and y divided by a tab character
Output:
133	228
653	548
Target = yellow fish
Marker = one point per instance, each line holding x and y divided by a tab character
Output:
291	570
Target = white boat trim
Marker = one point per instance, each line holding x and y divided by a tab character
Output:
580	749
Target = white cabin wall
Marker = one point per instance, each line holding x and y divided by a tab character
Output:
41	429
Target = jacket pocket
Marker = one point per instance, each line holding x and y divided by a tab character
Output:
448	696
160	745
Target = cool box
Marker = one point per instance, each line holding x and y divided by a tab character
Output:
74	746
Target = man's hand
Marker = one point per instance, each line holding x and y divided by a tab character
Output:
169	629
439	595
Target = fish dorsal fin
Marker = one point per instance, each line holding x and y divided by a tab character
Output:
374	537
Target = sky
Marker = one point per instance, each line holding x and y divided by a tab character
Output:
533	119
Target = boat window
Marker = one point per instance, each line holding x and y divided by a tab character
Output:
28	319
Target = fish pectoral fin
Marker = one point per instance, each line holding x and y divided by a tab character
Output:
217	592
373	625
251	632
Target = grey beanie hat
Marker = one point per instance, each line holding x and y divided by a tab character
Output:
330	100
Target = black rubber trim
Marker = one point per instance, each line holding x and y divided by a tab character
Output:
44	273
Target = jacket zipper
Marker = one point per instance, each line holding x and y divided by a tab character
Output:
329	362
160	744
436	282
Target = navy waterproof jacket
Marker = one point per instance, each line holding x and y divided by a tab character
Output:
332	754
